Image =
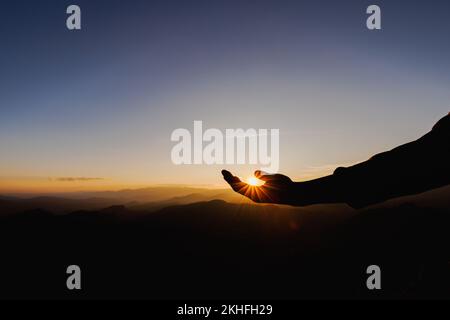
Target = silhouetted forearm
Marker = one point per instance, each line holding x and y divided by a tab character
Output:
409	169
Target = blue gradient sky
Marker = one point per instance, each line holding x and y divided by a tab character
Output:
103	101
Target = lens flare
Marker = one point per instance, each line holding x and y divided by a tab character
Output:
254	182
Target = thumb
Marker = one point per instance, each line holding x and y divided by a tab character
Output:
264	176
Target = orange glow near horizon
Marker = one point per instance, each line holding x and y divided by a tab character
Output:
204	177
32	185
40	185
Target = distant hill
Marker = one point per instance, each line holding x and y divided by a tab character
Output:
151	194
216	249
147	199
156	198
53	204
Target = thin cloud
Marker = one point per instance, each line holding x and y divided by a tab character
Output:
77	179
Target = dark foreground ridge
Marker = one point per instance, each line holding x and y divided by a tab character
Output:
220	250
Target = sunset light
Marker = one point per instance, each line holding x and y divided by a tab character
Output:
233	158
254	182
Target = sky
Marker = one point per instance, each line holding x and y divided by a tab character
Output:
95	108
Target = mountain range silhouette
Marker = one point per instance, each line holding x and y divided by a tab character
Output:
218	249
187	243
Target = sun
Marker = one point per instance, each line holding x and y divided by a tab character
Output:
254	182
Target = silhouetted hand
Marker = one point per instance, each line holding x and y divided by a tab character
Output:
277	188
385	176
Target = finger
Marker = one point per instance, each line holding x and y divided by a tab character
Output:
229	177
264	176
235	182
261	175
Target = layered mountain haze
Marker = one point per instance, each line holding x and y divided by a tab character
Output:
129	142
154	198
182	242
137	199
165	248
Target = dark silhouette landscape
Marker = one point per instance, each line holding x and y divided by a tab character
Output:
319	131
178	242
197	245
